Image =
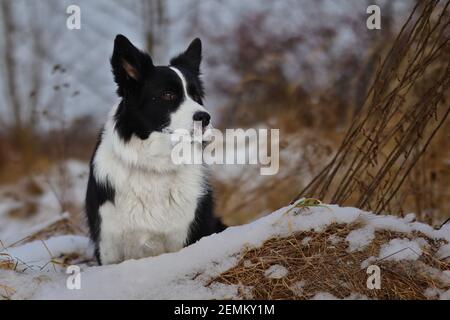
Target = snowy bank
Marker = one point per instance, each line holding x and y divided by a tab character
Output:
204	270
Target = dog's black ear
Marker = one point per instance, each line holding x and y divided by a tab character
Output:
191	58
129	64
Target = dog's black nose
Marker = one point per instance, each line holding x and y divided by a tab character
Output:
202	116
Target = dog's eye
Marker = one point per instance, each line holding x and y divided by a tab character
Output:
196	98
168	96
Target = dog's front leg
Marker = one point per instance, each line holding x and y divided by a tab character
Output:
175	240
111	248
111	243
141	244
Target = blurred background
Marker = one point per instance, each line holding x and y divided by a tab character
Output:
301	66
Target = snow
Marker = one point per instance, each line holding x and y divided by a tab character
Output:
389	223
306	240
360	238
184	274
69	178
334	239
297	287
368	262
432	293
37	255
329	296
400	249
324	296
410	217
444	252
276	272
445	295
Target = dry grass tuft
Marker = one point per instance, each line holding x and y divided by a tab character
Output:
405	108
26	210
6	262
63	226
6	292
316	262
60	227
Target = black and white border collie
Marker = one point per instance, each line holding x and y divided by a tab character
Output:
138	202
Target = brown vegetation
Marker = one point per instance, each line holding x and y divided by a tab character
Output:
405	108
317	263
394	156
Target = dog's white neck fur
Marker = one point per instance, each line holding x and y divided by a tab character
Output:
155	199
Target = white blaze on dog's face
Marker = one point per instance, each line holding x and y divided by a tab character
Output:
189	109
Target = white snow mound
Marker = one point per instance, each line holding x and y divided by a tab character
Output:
184	274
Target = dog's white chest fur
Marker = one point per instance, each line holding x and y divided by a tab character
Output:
154	202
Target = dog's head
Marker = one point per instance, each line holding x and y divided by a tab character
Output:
157	98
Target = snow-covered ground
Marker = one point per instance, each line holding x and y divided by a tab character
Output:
185	274
63	183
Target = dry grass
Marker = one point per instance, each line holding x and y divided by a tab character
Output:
322	265
6	292
61	227
6	262
405	108
64	226
390	156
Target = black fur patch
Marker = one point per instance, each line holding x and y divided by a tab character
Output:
205	223
191	58
96	195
